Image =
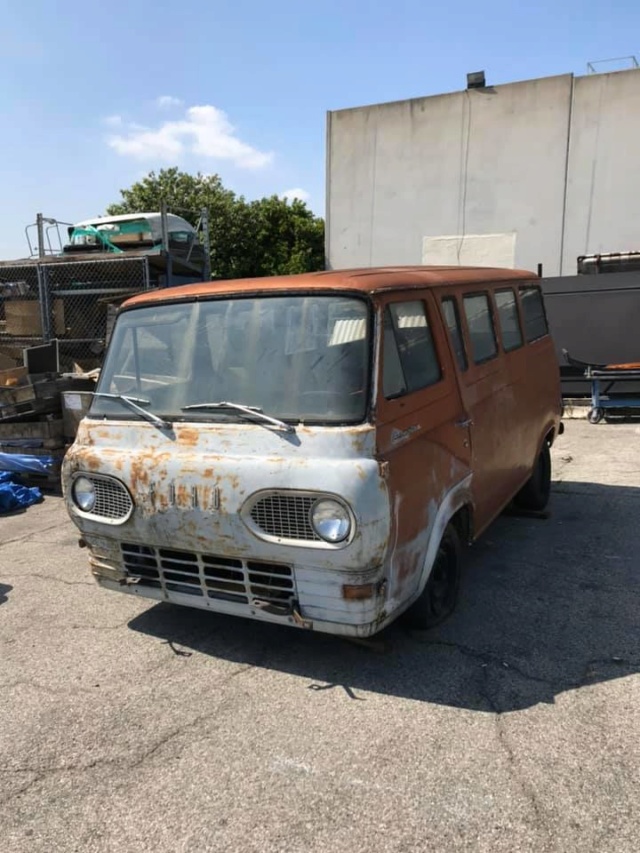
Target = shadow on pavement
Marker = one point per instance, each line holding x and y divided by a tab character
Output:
5	589
546	606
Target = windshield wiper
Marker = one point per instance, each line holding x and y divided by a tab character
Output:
133	403
249	411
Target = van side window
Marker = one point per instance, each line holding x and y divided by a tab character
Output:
481	332
452	319
409	359
508	319
393	384
535	319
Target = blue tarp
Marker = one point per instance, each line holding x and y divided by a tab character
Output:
19	463
13	495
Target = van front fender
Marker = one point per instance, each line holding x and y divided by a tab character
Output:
455	499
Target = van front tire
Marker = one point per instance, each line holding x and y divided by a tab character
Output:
439	597
535	493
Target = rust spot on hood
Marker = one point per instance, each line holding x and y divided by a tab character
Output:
139	474
106	434
87	459
144	467
84	434
183	496
188	436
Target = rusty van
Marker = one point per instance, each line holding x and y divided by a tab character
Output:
315	450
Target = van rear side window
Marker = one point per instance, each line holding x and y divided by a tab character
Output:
481	332
409	359
535	319
509	320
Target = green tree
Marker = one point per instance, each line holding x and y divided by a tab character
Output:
289	236
269	236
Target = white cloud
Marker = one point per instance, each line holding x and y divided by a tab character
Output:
145	144
204	130
113	121
296	192
165	102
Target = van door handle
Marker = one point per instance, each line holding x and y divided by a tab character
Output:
467	422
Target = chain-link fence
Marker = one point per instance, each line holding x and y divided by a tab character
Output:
71	301
21	308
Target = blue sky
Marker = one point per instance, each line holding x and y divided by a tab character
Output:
95	95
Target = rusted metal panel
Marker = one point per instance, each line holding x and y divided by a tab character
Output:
363	280
189	490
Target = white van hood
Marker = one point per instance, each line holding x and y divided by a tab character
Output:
190	486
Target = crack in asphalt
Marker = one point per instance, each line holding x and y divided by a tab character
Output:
567	585
39	576
488	658
617	662
78	627
514	769
70	690
28	536
42	773
37	778
53	691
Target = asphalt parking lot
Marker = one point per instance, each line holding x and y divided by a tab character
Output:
132	726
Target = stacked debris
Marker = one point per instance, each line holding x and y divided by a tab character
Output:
38	421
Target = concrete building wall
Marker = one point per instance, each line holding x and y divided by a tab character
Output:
603	181
515	175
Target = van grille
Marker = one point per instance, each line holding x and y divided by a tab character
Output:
112	499
285	516
206	575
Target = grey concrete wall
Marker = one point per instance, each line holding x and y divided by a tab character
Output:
549	164
603	186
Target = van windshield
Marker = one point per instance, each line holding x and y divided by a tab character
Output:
297	358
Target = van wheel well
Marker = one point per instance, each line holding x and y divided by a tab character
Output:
463	522
550	437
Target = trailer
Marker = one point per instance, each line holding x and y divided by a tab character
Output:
607	402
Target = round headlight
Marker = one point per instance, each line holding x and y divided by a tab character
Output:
84	494
330	521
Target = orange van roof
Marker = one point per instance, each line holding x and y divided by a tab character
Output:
367	280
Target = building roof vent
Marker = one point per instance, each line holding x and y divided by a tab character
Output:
476	80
